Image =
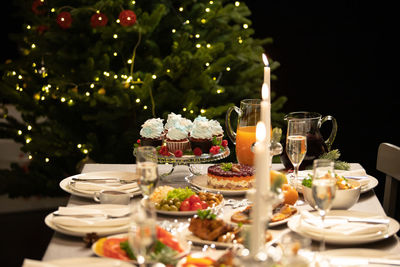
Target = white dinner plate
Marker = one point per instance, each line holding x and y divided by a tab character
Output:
185	246
213	254
178	213
338	239
65	183
89	261
200	181
82	231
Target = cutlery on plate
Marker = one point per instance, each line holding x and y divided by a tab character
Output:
333	221
94	213
105	179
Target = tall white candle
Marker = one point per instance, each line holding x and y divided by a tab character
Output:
257	234
267	71
266	119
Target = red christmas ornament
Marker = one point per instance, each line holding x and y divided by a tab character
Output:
38	7
127	18
64	20
98	20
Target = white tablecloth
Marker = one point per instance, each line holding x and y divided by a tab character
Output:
63	246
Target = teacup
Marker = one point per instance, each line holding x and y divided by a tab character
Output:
112	197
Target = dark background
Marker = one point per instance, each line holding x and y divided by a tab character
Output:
337	58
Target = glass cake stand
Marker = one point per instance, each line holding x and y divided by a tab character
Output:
188	160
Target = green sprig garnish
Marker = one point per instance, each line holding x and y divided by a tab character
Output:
226	166
206	214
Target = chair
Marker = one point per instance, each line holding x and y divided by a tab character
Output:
388	162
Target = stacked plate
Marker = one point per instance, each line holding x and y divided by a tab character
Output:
86	184
102	219
344	227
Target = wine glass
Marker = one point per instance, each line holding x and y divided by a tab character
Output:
142	234
296	147
323	190
147	169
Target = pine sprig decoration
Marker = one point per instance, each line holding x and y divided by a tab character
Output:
334	155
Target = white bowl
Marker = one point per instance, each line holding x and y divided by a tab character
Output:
344	199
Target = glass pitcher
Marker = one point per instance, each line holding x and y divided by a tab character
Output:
316	145
245	136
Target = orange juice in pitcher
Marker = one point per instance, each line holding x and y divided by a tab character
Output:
245	137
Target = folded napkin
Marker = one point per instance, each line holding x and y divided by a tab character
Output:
338	226
89	222
36	263
94	210
93	187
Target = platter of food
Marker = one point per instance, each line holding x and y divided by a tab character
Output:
207	229
167	249
183	201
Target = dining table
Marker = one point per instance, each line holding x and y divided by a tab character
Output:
66	246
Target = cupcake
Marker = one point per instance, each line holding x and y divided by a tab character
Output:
216	130
201	136
186	124
177	139
172	120
151	133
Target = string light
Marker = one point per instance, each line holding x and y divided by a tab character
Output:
79	146
28	140
228	68
184	109
198	45
197	35
30	157
137	100
237	3
28	27
202	111
115	36
208	45
154	76
29	127
47	159
63	99
173	31
203	21
245	26
19	132
85	151
33	46
181	9
144	107
87	94
207	10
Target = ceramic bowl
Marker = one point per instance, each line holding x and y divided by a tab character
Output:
344	199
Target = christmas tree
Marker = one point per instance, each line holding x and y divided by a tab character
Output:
91	72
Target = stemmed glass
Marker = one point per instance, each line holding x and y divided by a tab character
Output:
142	234
296	147
147	169
323	190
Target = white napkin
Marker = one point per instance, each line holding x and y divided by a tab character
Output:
36	263
94	210
89	222
338	226
93	187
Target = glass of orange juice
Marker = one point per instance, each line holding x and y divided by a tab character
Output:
245	135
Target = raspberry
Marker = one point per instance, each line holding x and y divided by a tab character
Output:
178	153
164	151
224	143
214	150
197	151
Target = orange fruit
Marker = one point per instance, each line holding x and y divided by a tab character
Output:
275	176
290	194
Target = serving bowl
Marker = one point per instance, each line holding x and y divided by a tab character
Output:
344	199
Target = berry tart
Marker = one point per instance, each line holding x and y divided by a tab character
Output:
230	176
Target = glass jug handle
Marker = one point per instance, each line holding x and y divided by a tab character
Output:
229	130
332	136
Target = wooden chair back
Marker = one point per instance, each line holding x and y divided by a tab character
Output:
388	162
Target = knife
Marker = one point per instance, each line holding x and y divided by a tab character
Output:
105	179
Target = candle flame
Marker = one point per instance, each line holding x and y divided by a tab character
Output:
265	91
265	59
261	132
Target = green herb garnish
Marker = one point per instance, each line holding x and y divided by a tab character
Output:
307	182
206	214
180	193
127	248
226	166
163	253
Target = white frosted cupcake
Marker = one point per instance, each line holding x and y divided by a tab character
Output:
216	130
172	120
177	139
201	136
151	133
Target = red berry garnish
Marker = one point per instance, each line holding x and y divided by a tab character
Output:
214	150
178	153
224	143
138	141
197	151
164	151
